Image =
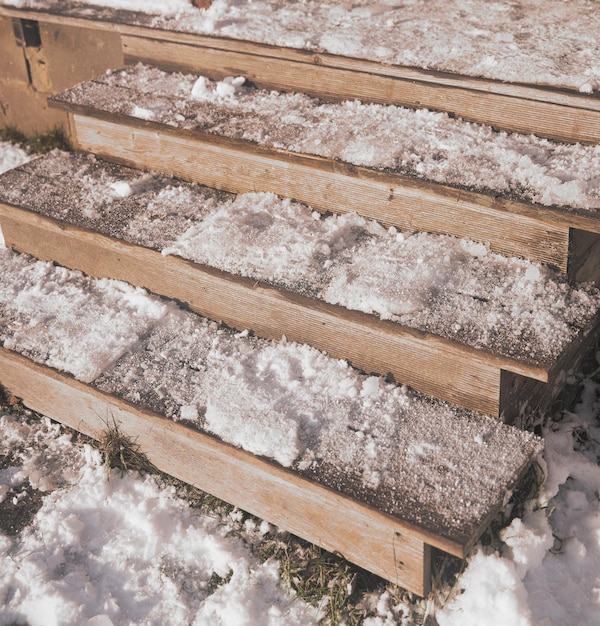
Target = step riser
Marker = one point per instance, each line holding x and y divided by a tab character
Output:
584	256
377	542
330	186
474	101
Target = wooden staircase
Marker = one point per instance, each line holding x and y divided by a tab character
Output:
382	531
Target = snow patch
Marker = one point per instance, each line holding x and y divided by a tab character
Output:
123	550
11	156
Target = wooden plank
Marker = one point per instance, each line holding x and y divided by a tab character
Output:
548	111
510	228
377	542
27	109
38	69
553	120
432	365
75	54
523	397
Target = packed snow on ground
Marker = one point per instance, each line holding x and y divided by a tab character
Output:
547	571
555	43
11	156
115	550
420	143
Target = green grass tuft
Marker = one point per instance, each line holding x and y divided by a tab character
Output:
38	143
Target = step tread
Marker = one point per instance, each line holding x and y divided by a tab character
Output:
376	541
434	284
418	144
435	466
403	38
510	227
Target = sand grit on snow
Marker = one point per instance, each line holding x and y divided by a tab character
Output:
128	551
424	461
102	320
451	287
548	570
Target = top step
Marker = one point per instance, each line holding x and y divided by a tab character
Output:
416	170
491	66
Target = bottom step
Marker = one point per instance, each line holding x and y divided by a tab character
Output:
376	541
374	472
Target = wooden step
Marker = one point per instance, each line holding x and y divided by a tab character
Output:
64	208
103	122
372	471
560	114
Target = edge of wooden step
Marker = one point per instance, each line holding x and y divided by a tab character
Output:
556	113
432	365
511	228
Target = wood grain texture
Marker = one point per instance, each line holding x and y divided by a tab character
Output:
509	228
75	54
25	108
432	365
13	66
323	78
377	542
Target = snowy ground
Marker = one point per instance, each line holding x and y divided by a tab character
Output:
552	42
164	563
121	550
11	156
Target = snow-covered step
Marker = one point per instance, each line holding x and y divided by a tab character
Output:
416	170
502	67
445	316
373	471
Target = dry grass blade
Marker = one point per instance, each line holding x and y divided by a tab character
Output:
121	452
323	579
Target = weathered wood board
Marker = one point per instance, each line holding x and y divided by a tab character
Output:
584	256
377	542
510	228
